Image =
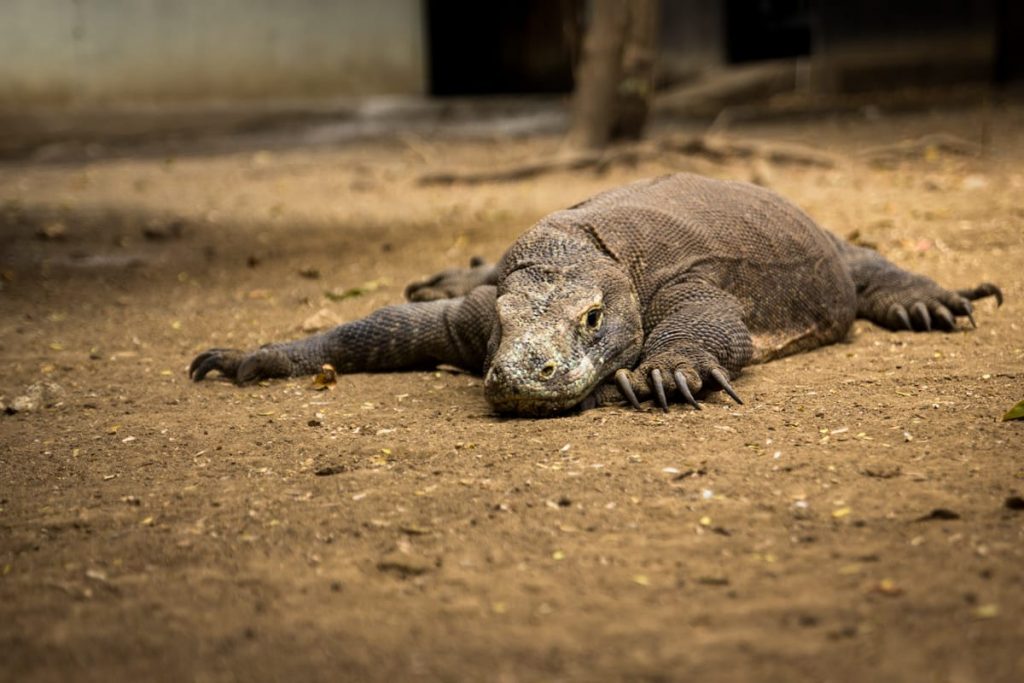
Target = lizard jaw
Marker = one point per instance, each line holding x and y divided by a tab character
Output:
577	388
509	392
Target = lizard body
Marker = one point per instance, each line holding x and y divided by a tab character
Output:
666	285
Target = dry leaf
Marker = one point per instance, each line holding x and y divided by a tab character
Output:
1015	413
327	378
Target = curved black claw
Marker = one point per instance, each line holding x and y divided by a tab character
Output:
205	363
224	361
944	317
723	382
684	389
659	389
921	315
204	367
622	379
981	291
199	361
898	316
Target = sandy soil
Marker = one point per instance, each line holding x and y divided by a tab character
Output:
855	520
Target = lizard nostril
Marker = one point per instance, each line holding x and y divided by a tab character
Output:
547	370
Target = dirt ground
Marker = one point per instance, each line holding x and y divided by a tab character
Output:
857	519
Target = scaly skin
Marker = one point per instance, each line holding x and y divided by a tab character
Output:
663	288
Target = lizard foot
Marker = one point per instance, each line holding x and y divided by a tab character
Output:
657	379
925	308
451	283
239	366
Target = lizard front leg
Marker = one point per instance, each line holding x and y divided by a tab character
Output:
697	341
453	331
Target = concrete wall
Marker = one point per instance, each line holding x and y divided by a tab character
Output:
112	52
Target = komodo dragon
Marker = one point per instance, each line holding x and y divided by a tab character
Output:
661	288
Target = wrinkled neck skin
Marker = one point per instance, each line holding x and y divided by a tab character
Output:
569	318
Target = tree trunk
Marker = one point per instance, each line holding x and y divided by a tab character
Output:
636	83
615	79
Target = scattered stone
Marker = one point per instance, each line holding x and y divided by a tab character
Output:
38	395
987	611
96	575
54	231
690	473
887	587
23	404
158	229
882	471
321	320
330	470
713	580
939	514
974	182
404	565
366	288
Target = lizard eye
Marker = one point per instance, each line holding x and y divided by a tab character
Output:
593	318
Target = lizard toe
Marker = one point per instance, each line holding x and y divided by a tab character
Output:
921	318
626	387
263	364
943	318
224	361
719	376
684	390
687	373
658	387
985	289
898	318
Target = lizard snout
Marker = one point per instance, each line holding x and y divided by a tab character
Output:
547	371
514	374
536	385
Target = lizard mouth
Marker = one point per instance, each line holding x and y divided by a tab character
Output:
539	404
576	388
550	396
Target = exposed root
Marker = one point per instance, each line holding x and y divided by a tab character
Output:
917	148
718	149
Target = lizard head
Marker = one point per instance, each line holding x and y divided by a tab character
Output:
563	331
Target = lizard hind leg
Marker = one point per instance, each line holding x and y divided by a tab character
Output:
905	301
452	282
900	300
985	289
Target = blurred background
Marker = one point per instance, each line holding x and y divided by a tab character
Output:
108	71
182	174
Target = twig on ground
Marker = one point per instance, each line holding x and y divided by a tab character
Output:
719	149
916	148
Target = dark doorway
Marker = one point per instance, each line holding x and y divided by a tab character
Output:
767	29
1009	66
500	46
